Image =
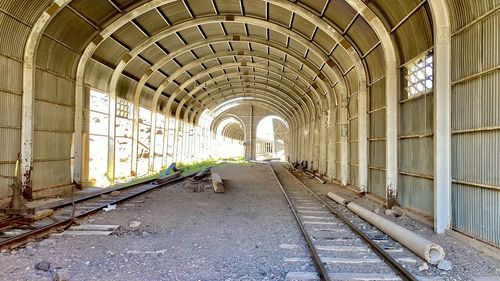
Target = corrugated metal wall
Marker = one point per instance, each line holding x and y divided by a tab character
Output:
416	154
376	122
476	118
16	19
54	126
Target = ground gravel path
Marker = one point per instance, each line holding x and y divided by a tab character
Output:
184	235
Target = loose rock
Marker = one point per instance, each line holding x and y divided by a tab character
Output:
376	210
444	265
423	267
43	265
134	224
61	275
390	212
115	193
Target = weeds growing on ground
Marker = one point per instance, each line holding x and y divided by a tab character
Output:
201	165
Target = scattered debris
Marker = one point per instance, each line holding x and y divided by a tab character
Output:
202	174
42	214
43	266
423	267
101	227
444	265
376	210
158	252
61	275
110	207
134	224
390	212
217	183
104	196
89	229
168	178
115	193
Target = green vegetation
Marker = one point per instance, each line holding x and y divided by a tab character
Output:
198	166
187	169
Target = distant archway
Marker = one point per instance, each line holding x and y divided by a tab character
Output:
230	138
272	138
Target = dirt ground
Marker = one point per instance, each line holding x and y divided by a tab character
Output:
184	235
243	234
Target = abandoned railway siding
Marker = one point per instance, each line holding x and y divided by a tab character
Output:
249	140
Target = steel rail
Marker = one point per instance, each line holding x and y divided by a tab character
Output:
323	273
389	260
45	230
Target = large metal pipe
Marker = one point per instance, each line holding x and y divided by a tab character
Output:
424	248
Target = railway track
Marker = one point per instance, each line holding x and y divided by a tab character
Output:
15	232
341	245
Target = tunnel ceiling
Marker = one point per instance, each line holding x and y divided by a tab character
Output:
191	55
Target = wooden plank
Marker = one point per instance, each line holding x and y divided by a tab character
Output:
84	233
99	227
42	214
217	183
167	178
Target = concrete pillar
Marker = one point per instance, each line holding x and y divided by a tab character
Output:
135	133
111	137
344	142
323	142
391	146
442	116
249	137
152	138
332	156
362	137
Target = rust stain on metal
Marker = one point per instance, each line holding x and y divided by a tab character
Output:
392	197
27	185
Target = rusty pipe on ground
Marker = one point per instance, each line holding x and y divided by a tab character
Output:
429	251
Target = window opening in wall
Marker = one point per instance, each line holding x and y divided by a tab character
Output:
419	75
123	138
98	138
144	141
159	141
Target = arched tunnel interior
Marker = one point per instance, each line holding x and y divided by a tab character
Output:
394	100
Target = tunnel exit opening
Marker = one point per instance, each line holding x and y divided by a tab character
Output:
272	139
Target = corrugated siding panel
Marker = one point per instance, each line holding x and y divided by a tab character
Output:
376	182
10	110
52	145
416	155
49	116
476	158
11	75
10	115
470	214
11	144
416	116
476	105
54	89
376	148
26	10
51	174
466	57
57	58
6	170
416	193
15	33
